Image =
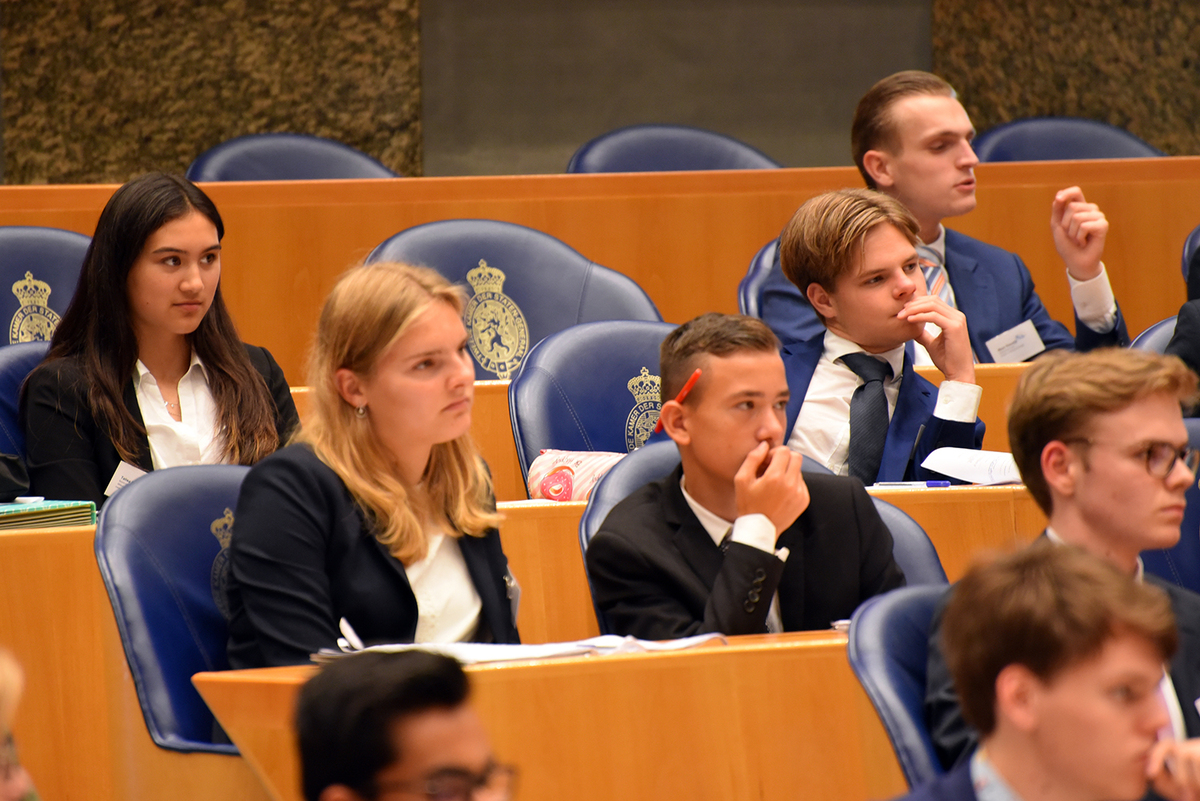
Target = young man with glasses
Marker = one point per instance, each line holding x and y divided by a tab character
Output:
1101	445
382	726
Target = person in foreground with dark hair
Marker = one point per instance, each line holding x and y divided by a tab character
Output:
735	540
1058	660
1101	446
372	725
911	138
146	369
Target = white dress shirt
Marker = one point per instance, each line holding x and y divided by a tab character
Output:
822	429
755	530
448	605
193	439
1093	299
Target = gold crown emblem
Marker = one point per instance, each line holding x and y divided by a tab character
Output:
645	387
31	292
222	528
485	279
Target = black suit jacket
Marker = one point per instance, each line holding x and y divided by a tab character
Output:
68	453
954	740
302	557
657	574
1185	342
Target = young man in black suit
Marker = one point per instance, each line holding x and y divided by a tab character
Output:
1059	659
1101	445
735	540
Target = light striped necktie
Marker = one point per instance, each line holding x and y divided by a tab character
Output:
934	266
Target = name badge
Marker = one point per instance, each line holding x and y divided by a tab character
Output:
124	473
1016	344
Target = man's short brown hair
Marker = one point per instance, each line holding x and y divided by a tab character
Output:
1060	393
1046	607
873	127
710	334
825	238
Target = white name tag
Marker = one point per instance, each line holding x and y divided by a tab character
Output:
124	473
1016	344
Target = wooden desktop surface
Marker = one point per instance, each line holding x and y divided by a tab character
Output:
762	718
686	238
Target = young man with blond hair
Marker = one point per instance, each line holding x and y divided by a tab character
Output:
911	138
735	540
857	406
1058	657
1101	445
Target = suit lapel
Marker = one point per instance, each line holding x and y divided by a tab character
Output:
688	536
144	461
1185	666
913	406
973	291
475	554
799	363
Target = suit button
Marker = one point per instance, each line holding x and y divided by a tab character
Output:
753	595
760	575
749	607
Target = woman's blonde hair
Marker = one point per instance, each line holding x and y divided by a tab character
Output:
371	307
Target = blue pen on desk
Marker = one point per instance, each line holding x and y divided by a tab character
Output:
911	484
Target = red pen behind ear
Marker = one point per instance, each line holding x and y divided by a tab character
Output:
683	393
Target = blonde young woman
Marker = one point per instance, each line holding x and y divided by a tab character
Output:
379	520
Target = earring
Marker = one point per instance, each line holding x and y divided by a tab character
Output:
361	411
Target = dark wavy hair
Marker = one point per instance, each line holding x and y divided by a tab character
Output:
97	331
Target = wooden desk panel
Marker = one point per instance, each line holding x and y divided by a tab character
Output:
79	726
999	382
762	718
686	238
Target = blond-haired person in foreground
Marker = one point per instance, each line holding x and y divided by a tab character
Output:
378	522
15	784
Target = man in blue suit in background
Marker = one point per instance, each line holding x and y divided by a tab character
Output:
911	139
857	406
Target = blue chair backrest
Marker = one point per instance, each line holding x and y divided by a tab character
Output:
911	547
888	647
39	268
161	545
1189	249
1181	564
1156	337
16	363
666	148
526	285
284	157
750	287
1052	138
593	387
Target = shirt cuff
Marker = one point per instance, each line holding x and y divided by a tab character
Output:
1094	302
757	531
958	401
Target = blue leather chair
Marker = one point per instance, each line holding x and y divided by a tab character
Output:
531	286
592	387
1156	337
39	268
1050	138
1190	245
284	157
911	547
16	363
161	545
889	641
1181	563
666	148
750	287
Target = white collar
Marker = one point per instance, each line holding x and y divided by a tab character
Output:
716	526
837	346
1139	576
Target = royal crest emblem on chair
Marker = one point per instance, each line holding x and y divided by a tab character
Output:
499	333
34	321
639	425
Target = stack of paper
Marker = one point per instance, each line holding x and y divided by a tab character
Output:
47	514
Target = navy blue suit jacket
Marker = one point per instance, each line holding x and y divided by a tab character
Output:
992	287
952	786
914	408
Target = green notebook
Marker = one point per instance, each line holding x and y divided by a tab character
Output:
47	514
